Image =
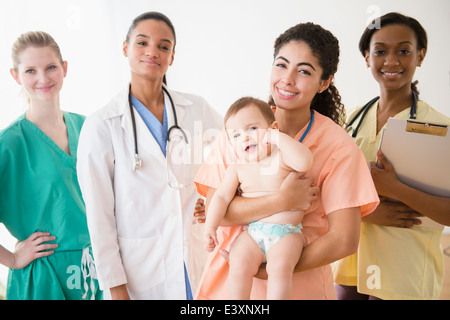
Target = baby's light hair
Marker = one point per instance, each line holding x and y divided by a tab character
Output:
245	102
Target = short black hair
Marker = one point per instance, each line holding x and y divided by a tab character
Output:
390	19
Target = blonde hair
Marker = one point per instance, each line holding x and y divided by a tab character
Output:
33	39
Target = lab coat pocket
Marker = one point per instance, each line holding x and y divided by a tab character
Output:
143	260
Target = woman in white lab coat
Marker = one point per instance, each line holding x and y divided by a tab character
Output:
139	206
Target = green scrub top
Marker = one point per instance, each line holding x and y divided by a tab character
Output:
40	192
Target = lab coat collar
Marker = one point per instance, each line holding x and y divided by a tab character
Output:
119	105
120	108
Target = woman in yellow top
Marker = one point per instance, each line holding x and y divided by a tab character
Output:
397	257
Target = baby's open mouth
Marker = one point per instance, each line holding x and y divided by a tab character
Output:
250	148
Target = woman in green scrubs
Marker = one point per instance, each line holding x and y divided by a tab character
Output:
40	201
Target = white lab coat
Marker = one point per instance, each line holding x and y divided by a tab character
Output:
139	226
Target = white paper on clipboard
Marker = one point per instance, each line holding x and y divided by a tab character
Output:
420	154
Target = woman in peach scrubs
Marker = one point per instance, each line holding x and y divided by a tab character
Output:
307	108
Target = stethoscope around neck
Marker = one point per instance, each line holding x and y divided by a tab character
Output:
365	109
175	127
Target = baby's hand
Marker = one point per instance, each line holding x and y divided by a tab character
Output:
271	137
211	239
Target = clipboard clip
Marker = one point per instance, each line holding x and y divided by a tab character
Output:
434	129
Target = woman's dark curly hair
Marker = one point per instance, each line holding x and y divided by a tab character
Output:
325	46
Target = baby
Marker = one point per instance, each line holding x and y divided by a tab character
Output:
265	158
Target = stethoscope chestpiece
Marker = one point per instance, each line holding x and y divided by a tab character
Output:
137	163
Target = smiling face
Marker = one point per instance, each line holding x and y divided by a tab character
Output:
150	49
296	77
40	72
393	56
246	130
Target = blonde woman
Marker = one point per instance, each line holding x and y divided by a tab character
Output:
40	202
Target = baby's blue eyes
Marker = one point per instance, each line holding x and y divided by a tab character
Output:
238	134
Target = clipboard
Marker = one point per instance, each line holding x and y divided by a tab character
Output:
420	154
